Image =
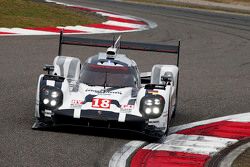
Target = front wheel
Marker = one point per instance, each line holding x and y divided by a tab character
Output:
41	124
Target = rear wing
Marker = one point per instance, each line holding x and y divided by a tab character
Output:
174	49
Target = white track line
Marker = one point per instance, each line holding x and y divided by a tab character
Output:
245	118
88	30
122	24
26	31
116	15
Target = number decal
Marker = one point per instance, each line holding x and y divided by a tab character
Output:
101	103
95	103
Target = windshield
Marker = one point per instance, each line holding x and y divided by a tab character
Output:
107	76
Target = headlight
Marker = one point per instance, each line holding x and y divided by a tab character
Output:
54	94
157	102
148	102
156	110
148	111
53	103
50	97
151	106
46	101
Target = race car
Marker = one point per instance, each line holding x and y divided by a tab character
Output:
107	90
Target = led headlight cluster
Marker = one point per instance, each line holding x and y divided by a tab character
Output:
51	97
152	106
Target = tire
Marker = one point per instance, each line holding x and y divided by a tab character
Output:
41	124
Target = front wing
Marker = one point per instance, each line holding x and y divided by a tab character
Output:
99	119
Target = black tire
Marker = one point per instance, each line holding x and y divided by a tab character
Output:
41	124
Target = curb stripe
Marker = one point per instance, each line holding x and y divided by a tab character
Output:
246	118
238	117
126	20
110	27
88	30
203	139
151	158
191	144
115	15
225	129
122	24
56	30
6	33
25	31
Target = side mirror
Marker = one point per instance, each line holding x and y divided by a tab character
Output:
167	78
48	68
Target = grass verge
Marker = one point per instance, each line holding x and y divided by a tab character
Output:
28	13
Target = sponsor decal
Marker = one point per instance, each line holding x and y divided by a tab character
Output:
127	108
153	92
153	122
101	103
103	91
76	103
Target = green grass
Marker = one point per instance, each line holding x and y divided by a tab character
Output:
28	13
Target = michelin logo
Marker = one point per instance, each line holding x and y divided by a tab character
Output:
103	91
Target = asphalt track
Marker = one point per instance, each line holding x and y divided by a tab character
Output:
214	81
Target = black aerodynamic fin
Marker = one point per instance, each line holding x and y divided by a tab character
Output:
175	49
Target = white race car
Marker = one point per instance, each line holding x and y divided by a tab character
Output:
107	90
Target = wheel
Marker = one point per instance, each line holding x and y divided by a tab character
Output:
41	125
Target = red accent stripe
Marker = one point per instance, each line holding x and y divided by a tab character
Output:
225	129
109	27
126	20
54	29
6	33
150	158
109	67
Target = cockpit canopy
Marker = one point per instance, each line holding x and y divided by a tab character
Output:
108	76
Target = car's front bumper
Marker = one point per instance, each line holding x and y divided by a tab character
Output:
103	119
